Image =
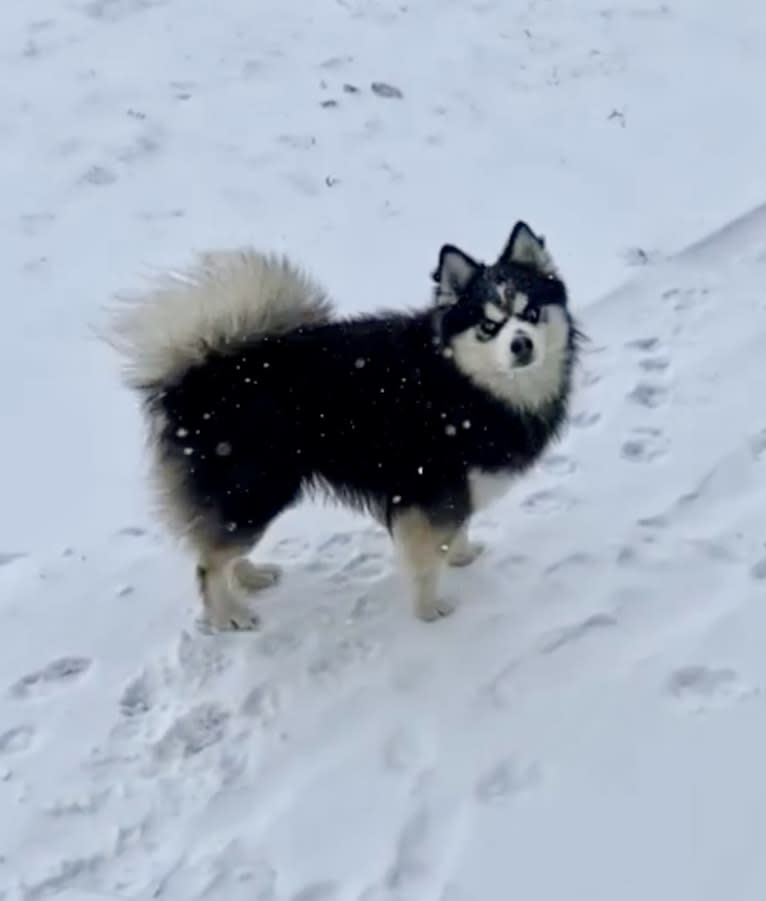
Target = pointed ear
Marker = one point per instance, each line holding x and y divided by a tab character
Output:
453	272
525	247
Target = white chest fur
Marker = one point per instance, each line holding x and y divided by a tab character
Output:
487	487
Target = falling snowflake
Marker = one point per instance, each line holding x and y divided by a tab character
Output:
223	449
188	451
466	423
182	433
420	470
396	499
450	430
360	363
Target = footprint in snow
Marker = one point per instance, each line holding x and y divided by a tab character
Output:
686	299
452	892
648	394
386	90
364	566
291	549
198	660
235	872
506	778
78	805
17	739
547	501
646	445
331	552
409	865
8	557
279	642
578	631
367	606
263	704
559	464
513	559
199	728
590	377
137	697
131	532
99	176
331	666
643	344
56	674
574	560
758	445
318	891
585	420
703	688
654	364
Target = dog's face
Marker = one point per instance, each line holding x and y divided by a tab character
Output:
508	318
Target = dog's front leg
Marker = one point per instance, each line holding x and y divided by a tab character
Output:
424	546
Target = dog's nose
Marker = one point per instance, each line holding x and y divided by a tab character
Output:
522	347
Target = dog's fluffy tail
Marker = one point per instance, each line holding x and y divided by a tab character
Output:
226	298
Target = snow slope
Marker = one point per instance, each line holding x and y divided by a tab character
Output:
591	722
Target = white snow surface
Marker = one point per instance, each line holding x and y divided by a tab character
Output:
591	723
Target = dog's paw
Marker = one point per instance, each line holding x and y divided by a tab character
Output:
464	553
432	610
232	616
254	577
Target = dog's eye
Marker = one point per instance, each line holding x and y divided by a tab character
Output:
487	329
532	315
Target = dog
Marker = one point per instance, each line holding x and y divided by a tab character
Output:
256	394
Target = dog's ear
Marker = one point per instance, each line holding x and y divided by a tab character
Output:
453	272
525	247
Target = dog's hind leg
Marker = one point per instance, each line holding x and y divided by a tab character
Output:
225	577
222	516
424	546
221	585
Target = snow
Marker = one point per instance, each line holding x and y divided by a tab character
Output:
591	722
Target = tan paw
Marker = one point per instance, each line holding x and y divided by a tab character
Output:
465	553
430	611
232	616
255	576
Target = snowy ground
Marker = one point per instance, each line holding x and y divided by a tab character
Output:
591	723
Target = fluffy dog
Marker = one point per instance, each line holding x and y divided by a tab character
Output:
257	394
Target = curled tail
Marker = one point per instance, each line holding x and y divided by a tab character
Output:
226	298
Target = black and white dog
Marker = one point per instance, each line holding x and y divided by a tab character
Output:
256	394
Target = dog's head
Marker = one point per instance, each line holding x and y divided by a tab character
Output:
507	318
